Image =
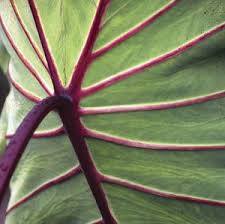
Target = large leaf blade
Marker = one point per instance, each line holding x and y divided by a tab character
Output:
171	81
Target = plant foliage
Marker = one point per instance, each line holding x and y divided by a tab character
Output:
120	106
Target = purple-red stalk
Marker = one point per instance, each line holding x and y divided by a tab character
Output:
69	113
72	123
19	141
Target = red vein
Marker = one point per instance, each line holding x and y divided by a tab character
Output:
51	64
149	107
44	134
70	116
23	91
148	145
163	194
45	186
85	57
135	30
18	143
153	62
27	34
24	60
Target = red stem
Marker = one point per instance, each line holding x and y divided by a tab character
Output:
18	143
71	120
70	112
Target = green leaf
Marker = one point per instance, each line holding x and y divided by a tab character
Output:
152	105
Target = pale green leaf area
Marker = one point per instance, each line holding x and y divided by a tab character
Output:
36	168
194	173
21	106
66	24
21	42
117	20
59	205
137	208
198	124
22	76
184	22
197	72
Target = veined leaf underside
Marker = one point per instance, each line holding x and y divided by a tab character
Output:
86	123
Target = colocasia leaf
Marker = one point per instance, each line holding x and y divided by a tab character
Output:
134	92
